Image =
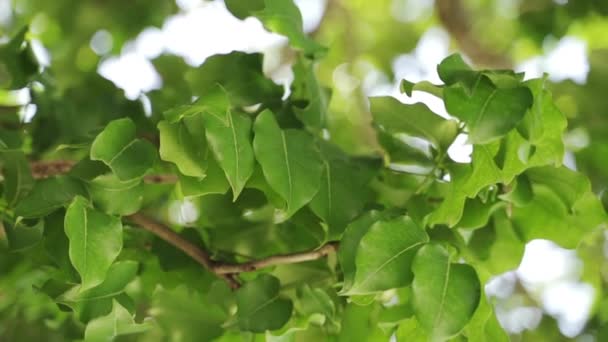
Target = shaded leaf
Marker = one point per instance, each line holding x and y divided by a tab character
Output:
260	307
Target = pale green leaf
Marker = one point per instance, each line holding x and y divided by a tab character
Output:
181	146
118	323
95	241
114	197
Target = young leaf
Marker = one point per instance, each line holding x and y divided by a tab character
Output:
290	162
445	294
229	137
95	241
260	307
118	323
183	148
489	112
385	254
117	147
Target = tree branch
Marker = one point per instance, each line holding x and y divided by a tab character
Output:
454	17
274	260
198	254
226	271
48	168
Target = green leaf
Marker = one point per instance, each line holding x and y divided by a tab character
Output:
416	120
489	112
117	147
18	63
122	273
214	182
49	195
260	307
306	88
407	87
240	74
18	180
350	243
185	315
445	294
410	330
118	323
22	236
115	197
290	161
229	137
567	184
453	69
95	241
343	192
283	16
385	254
179	144
243	9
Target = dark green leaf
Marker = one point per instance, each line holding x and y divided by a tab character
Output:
48	195
260	306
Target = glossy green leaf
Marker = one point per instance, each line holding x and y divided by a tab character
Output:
118	323
413	119
181	146
385	254
120	274
411	330
489	112
214	182
290	161
49	195
95	241
118	148
453	69
260	306
229	137
445	294
407	87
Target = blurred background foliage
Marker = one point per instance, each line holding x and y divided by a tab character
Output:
368	41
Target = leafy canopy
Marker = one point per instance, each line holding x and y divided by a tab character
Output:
217	216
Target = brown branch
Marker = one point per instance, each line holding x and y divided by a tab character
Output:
198	254
274	260
226	271
454	17
48	168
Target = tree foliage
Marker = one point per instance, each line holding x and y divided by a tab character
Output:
319	214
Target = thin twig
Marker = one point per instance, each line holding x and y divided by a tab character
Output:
47	168
192	250
283	259
226	271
